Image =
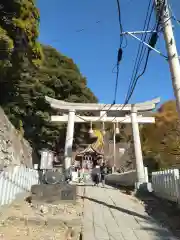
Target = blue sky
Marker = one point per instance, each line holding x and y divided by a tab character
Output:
94	50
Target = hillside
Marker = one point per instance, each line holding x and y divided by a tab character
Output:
29	71
161	141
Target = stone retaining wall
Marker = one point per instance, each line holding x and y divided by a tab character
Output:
14	149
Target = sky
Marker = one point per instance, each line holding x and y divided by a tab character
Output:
94	49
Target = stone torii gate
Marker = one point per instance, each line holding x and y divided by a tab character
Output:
117	113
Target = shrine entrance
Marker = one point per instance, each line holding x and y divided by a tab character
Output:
117	113
89	158
85	161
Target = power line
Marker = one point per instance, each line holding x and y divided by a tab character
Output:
173	15
140	54
120	22
178	21
139	58
141	51
119	58
120	51
152	42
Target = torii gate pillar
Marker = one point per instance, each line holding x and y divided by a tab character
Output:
137	149
69	139
91	107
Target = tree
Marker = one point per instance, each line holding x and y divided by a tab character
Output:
19	25
161	140
30	71
58	77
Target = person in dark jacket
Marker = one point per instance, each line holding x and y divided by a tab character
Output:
103	171
96	175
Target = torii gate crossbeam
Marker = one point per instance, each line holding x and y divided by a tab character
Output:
133	118
82	119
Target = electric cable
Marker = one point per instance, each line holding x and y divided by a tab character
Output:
152	42
141	50
140	55
173	15
120	51
119	58
178	21
120	23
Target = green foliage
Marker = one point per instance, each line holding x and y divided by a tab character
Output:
161	141
21	130
59	78
19	22
29	72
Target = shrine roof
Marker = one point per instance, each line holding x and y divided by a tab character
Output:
89	149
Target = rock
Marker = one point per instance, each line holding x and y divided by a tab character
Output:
14	149
43	209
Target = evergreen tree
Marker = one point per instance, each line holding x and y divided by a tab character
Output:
29	72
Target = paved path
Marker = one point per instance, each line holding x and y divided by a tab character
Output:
112	215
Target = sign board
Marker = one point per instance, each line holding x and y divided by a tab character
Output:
121	150
47	158
74	176
54	192
67	194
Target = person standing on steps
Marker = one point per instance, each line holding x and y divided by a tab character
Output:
96	175
103	171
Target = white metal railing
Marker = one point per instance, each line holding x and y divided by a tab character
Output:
166	184
16	180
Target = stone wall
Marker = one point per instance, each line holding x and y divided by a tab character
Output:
14	149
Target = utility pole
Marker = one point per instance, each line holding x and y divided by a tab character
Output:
162	10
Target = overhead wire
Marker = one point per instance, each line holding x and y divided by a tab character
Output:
119	55
173	16
120	23
140	52
178	21
140	55
119	58
120	50
152	42
139	58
